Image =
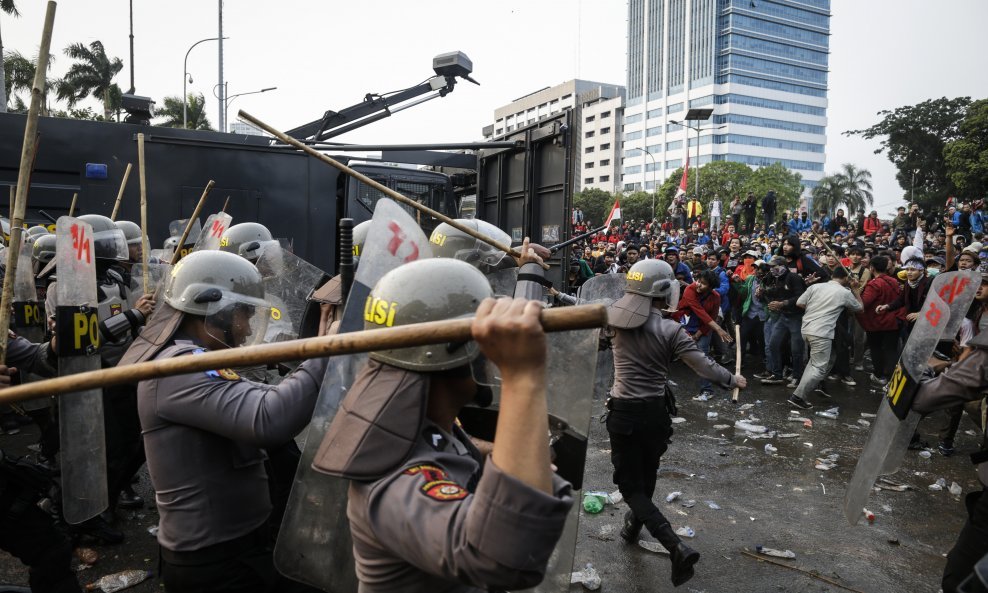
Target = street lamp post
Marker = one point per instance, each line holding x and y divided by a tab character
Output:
654	169
696	115
229	99
185	80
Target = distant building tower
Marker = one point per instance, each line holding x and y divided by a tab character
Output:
761	65
240	127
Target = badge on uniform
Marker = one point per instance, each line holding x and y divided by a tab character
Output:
435	439
226	374
437	485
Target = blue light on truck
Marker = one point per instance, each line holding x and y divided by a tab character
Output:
95	171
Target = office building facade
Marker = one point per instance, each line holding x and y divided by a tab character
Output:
761	65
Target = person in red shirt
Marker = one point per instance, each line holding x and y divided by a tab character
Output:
880	323
728	234
698	310
871	224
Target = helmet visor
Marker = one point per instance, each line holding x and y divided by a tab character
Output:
236	320
485	257
111	244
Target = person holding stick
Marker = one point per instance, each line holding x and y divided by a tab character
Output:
204	432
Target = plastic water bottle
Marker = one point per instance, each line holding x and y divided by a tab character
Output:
593	502
588	577
119	581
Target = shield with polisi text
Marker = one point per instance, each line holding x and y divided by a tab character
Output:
940	317
83	444
212	231
314	544
28	316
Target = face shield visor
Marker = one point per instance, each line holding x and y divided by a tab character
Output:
111	244
237	320
485	257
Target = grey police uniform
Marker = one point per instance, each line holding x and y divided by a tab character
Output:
27	357
964	382
426	512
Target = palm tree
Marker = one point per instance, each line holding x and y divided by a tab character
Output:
171	111
19	72
6	6
91	75
855	187
827	195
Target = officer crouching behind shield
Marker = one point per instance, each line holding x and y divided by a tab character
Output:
426	511
204	432
641	403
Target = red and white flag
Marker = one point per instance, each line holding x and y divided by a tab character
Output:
682	184
615	213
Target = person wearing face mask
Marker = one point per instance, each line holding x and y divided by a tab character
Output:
934	265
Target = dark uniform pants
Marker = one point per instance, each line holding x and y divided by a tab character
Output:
30	535
640	432
971	545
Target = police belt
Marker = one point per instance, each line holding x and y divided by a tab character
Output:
218	552
636	405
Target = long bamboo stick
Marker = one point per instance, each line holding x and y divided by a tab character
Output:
120	192
28	152
737	362
829	250
420	334
192	219
145	245
75	197
381	188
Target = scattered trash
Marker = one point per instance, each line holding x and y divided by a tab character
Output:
749	427
787	435
887	484
955	489
868	415
798	419
746	406
702	397
939	485
925	454
864	422
753	419
808	445
797	489
588	577
119	581
894	541
970	433
770	449
153	531
688	503
869	515
721	426
827	463
673	496
711	415
831	413
685	532
593	502
713	505
87	556
678	420
886	508
652	547
775	553
824	488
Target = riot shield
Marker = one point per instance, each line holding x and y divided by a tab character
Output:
288	281
83	456
177	227
157	276
503	281
895	422
603	289
28	318
213	231
314	545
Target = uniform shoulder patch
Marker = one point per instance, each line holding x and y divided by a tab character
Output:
227	374
437	484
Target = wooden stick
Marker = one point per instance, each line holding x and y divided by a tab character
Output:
407	336
225	204
385	190
145	245
120	192
737	361
192	219
75	196
798	569
28	153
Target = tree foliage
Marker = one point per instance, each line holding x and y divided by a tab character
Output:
915	137
6	7
595	204
849	188
91	75
19	78
788	186
967	156
171	112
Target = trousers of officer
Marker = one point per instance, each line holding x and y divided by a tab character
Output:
29	534
972	543
640	431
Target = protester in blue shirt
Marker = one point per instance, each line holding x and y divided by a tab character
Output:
681	270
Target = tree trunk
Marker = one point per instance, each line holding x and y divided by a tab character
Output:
3	80
107	112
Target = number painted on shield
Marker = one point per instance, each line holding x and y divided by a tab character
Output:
952	290
218	228
81	244
397	239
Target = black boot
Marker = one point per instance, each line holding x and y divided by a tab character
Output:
683	557
632	527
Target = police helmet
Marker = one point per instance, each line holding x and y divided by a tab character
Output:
245	239
171	243
646	280
43	250
37	231
131	231
411	294
359	238
109	242
450	242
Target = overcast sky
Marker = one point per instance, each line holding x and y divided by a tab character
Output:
328	55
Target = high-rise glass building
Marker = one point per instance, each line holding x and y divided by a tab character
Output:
761	65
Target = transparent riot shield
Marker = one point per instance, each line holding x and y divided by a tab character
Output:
503	281
157	276
604	290
212	231
314	545
28	317
177	227
83	456
940	317
288	282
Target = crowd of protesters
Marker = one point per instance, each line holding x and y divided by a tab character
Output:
817	298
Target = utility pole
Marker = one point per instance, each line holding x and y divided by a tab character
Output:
222	98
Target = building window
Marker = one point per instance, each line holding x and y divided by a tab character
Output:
654	113
605	162
590	118
633	119
588	180
589	134
605	146
588	165
499	131
604	178
674	163
633	135
564	97
778	124
674	108
588	150
674	145
605	114
605	130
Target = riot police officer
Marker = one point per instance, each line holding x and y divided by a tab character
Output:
245	239
204	433
134	237
641	403
426	512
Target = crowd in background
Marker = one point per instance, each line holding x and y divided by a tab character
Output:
742	264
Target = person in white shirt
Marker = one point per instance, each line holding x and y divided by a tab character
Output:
715	213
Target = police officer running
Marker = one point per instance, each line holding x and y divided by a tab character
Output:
641	403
